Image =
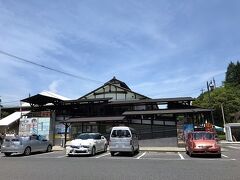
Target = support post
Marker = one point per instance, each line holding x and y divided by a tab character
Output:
65	134
224	122
0	108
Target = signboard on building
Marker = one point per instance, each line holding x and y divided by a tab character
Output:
39	125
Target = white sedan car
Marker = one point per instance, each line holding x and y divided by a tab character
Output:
87	143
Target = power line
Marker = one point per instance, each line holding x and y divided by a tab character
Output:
48	68
58	71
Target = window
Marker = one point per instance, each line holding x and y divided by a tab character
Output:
97	136
34	137
121	133
85	136
206	136
94	129
209	136
197	136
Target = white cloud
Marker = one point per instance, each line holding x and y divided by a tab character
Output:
152	46
54	86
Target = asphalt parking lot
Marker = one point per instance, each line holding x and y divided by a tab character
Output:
230	153
144	165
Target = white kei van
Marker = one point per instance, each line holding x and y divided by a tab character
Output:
123	139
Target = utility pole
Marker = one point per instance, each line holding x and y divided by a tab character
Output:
211	86
224	122
0	108
214	83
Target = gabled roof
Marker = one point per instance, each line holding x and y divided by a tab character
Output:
117	83
44	97
53	95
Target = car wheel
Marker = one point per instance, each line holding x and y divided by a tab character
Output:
105	148
190	154
132	152
7	154
219	155
49	148
112	153
27	151
137	151
187	152
93	151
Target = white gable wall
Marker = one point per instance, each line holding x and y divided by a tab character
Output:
116	93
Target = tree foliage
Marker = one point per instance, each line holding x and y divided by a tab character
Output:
233	74
4	114
227	95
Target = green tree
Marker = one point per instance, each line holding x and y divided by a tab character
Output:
4	114
237	72
230	74
233	74
228	96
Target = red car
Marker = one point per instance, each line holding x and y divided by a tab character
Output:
202	142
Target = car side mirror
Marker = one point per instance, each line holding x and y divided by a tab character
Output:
102	137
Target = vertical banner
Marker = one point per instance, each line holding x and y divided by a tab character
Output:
186	129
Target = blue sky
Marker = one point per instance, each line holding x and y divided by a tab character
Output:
158	48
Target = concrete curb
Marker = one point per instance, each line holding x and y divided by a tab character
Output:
227	142
58	148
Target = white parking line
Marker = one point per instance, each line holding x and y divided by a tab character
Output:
181	156
43	154
224	156
103	155
141	155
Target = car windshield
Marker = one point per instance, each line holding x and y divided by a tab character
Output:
206	136
121	133
86	136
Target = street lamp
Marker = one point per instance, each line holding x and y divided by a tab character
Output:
210	86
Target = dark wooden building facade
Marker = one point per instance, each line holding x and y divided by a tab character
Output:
114	104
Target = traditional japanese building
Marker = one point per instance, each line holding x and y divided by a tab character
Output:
112	104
